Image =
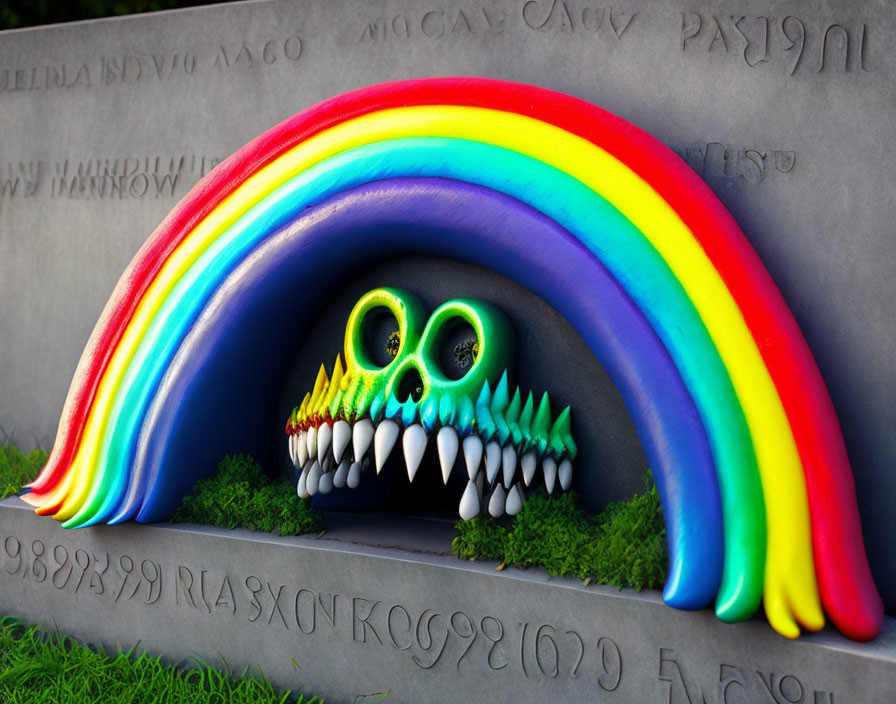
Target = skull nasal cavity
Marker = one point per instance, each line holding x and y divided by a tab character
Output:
410	386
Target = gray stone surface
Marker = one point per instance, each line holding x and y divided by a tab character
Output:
347	616
786	112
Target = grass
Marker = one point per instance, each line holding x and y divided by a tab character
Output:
624	546
241	495
18	468
39	666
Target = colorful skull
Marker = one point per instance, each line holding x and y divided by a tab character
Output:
369	402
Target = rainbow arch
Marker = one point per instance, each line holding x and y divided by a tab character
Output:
617	233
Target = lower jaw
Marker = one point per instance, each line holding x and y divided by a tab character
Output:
333	455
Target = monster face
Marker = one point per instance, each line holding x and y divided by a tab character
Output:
398	386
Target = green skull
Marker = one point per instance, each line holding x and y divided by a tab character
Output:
369	401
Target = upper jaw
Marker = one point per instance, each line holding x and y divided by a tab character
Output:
503	441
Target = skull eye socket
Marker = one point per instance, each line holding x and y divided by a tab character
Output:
457	347
380	336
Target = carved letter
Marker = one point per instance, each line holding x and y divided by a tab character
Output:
800	37
433	24
690	27
718	35
624	23
593	18
841	46
360	634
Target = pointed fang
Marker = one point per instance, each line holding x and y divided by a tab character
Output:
362	434
354	476
529	464
514	500
447	444
508	463
564	474
301	489
324	437
413	442
313	482
341	475
469	502
311	441
472	454
325	485
342	436
492	461
302	448
549	467
496	503
384	441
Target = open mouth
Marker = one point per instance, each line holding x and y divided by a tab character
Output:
407	380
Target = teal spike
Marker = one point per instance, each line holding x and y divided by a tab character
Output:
464	417
429	412
525	422
485	395
512	417
376	406
560	431
512	414
484	421
502	430
499	404
447	410
408	412
501	398
541	424
393	407
571	448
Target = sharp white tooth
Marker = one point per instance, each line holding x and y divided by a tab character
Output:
354	476
302	449
564	474
313	481
496	502
469	502
413	442
472	454
447	443
342	436
549	467
492	461
325	485
301	488
311	441
328	463
362	434
291	445
508	463
514	502
528	465
384	441
324	436
341	475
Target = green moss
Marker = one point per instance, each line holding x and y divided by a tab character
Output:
624	546
241	495
38	666
18	468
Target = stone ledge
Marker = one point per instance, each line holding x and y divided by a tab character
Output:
342	618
